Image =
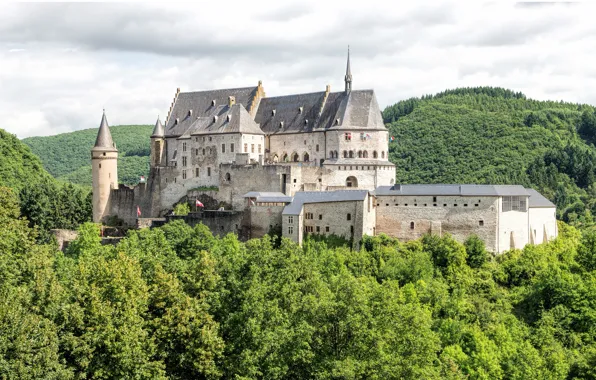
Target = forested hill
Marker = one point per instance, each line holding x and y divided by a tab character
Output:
44	201
67	156
494	135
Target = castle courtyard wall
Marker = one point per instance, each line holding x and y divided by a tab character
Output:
543	223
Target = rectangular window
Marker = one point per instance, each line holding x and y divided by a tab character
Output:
326	228
317	147
290	219
290	230
318	229
184	174
223	148
184	147
320	216
259	148
481	223
514	203
197	172
183	160
209	172
309	215
308	229
197	151
349	216
245	148
232	147
252	148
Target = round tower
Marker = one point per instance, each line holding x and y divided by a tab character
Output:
104	167
157	144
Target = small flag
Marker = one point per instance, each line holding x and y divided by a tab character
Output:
392	138
138	211
198	203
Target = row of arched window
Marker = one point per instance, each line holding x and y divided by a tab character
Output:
294	158
354	154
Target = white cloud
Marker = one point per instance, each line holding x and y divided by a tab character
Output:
60	64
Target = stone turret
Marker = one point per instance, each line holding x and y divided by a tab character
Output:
104	168
157	144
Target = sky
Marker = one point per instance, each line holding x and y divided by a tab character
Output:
62	63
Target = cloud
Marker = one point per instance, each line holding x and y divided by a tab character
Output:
60	64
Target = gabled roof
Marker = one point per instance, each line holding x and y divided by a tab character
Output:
104	140
225	119
264	196
460	190
341	110
538	200
302	197
201	105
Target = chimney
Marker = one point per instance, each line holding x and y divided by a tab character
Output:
231	100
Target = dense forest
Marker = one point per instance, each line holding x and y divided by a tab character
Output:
67	156
176	302
493	135
47	203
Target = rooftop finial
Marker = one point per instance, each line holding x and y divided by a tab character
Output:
348	77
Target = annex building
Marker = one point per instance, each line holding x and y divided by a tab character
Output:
313	163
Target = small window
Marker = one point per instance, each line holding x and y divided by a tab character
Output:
349	216
412	225
184	147
208	172
425	205
481	223
294	180
252	148
203	151
415	204
223	148
317	148
291	219
476	205
326	228
290	230
318	229
406	205
184	174
444	204
232	147
434	204
104	153
259	148
434	199
197	151
245	148
100	166
455	205
387	204
209	138
320	216
465	205
197	172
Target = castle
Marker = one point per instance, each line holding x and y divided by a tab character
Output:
308	163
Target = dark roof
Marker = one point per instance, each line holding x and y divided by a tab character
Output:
104	140
302	197
461	190
158	130
357	161
287	110
234	119
538	200
201	105
341	110
264	196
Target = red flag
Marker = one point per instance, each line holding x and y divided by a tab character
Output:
199	204
138	211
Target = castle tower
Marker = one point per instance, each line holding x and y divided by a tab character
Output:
348	77
104	168
157	144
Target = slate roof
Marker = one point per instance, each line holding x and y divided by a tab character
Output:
234	119
268	196
538	200
200	102
104	140
355	110
158	131
302	197
357	162
460	190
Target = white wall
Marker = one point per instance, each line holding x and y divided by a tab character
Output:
543	219
515	222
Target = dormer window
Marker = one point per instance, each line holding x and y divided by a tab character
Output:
336	121
189	112
281	124
213	102
300	109
176	121
229	118
215	118
306	122
273	113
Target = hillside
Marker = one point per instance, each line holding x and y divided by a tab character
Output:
46	202
493	135
66	156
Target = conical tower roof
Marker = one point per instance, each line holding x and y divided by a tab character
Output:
104	140
158	131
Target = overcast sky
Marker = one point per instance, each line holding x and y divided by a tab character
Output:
60	64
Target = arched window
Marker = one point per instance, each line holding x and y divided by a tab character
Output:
411	225
359	154
365	154
375	155
351	154
228	177
351	181
285	157
296	157
383	154
345	154
305	157
330	154
336	155
275	158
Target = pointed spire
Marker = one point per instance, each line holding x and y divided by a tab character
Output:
348	77
158	131
104	137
